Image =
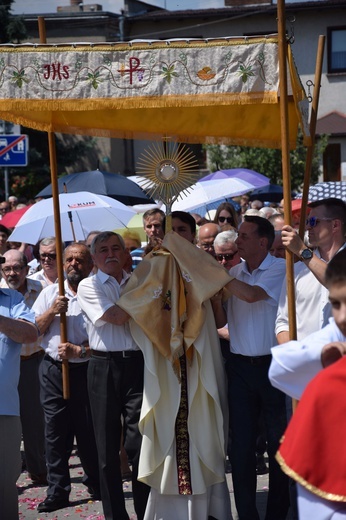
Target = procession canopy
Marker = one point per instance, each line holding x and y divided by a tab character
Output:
223	91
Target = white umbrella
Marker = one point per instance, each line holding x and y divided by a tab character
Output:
203	193
80	212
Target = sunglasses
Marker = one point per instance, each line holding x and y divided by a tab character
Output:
225	257
49	256
229	220
314	221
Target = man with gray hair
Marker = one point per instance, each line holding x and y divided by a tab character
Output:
47	256
115	376
226	250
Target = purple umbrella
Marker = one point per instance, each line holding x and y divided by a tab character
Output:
252	178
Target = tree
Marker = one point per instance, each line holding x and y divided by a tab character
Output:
268	161
12	28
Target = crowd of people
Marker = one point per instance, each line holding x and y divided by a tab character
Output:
180	362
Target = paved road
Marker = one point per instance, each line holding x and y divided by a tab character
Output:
81	505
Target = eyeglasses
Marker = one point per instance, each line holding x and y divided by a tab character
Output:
207	246
15	268
314	221
229	220
225	257
49	256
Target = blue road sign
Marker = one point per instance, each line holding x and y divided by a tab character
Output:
13	150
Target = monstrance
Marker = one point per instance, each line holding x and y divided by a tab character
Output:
169	169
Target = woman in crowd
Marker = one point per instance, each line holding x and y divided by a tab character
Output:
226	215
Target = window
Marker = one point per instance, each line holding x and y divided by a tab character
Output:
337	49
332	162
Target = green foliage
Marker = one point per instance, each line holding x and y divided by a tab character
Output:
12	28
268	161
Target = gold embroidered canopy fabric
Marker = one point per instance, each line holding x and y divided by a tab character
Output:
215	91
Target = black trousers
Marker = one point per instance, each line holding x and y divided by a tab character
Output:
251	393
64	420
115	390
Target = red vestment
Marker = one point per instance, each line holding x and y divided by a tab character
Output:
313	449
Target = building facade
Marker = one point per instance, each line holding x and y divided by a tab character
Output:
306	21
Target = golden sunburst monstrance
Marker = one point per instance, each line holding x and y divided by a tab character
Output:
170	169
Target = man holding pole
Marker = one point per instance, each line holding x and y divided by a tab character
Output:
66	418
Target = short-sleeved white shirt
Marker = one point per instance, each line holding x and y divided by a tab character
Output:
251	325
75	326
40	276
96	295
313	309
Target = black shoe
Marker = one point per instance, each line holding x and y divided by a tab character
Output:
52	503
94	493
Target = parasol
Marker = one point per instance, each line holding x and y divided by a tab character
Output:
102	183
11	218
326	190
249	177
80	213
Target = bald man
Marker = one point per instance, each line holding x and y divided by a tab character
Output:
206	237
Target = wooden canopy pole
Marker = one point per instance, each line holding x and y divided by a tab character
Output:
57	227
311	147
290	284
284	123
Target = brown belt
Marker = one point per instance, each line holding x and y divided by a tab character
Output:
35	354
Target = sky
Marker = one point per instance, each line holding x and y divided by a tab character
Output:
50	6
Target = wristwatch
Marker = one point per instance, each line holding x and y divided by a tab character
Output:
83	352
306	254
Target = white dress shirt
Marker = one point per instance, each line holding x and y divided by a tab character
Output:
313	309
96	295
251	325
76	329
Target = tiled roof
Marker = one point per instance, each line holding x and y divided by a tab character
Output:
332	124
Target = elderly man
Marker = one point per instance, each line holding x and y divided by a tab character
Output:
226	250
66	418
115	376
14	271
17	324
226	253
251	312
206	237
49	272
